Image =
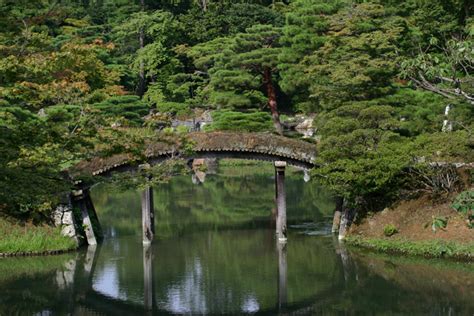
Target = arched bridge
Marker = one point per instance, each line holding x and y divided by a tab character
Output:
260	146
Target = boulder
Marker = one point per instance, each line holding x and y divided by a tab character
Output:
306	127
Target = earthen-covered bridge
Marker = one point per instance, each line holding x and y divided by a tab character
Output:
261	146
255	146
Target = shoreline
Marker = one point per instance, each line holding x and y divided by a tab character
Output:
429	249
420	227
36	253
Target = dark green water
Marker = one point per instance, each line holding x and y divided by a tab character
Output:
215	253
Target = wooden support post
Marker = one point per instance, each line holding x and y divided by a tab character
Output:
148	289
346	219
336	221
93	216
306	176
86	222
344	224
282	275
280	200
148	215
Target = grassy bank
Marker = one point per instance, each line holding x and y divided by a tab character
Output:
25	237
425	248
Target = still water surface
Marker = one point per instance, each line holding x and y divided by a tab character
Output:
216	253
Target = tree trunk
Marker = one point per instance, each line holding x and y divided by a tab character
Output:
272	103
204	5
447	126
141	73
464	15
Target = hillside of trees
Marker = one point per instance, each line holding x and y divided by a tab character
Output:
390	84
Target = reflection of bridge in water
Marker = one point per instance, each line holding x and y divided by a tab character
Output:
92	300
281	151
97	282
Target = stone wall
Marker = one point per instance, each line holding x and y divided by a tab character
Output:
63	216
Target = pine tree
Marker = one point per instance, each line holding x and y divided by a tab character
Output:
244	74
305	31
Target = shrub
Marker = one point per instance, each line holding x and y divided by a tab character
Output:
464	202
435	180
438	222
129	107
62	113
174	108
390	230
240	121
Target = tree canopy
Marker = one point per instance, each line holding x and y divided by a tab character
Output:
388	82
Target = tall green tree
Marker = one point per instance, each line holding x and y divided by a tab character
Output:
447	69
358	60
148	38
361	153
245	73
306	30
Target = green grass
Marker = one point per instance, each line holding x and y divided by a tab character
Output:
16	237
438	263
432	249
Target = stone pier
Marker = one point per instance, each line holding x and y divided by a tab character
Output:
63	216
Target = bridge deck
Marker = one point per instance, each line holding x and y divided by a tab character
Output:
263	146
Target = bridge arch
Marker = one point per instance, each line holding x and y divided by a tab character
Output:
282	151
254	146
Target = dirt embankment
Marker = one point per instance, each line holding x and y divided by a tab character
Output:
413	220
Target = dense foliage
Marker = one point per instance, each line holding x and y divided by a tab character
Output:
391	83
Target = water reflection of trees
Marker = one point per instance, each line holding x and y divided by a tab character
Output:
35	284
216	272
220	272
209	259
221	202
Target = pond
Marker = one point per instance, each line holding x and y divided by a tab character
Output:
215	253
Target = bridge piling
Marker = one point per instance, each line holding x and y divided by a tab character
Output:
336	221
87	223
87	216
148	215
93	216
280	200
347	217
148	290
282	276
